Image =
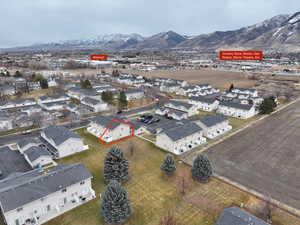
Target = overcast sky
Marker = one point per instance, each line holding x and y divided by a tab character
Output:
25	22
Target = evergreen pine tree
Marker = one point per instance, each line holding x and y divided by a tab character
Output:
116	165
267	106
202	169
115	206
122	100
168	165
231	87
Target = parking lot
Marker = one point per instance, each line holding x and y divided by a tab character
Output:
265	157
12	162
162	122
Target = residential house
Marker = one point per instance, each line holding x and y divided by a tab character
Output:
109	128
36	197
169	87
62	142
133	94
53	98
213	125
234	215
30	110
182	106
6	123
181	138
94	104
20	102
6	89
204	103
248	91
242	111
79	93
27	143
38	157
170	112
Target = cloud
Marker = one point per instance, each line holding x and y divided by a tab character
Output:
32	21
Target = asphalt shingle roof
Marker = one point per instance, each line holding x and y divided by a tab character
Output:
236	105
237	216
35	152
211	120
59	134
21	189
203	99
181	131
107	121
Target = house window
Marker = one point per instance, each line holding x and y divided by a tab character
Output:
65	200
17	222
82	183
48	208
64	190
19	209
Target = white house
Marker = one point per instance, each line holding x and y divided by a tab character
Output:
180	139
27	143
94	104
133	94
20	102
79	93
169	87
6	123
38	157
205	104
174	113
182	106
36	197
109	128
61	142
247	91
31	109
242	111
213	125
53	98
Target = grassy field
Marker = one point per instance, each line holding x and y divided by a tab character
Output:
220	79
152	194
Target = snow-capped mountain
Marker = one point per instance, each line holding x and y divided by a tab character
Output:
281	32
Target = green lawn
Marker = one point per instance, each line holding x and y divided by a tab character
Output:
152	194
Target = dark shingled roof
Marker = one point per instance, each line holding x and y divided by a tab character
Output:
59	134
53	97
178	132
91	101
21	189
180	103
22	143
203	99
211	120
236	105
237	216
35	152
107	121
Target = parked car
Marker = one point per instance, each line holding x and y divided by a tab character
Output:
119	112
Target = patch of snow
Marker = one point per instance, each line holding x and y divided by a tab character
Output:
277	31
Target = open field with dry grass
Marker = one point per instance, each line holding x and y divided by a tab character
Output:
153	194
220	79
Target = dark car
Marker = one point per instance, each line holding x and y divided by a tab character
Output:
119	112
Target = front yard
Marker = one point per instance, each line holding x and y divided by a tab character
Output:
152	194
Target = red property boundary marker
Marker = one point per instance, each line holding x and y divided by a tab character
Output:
109	125
241	55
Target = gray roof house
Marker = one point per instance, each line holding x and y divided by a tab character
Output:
62	142
237	216
27	143
181	138
109	128
213	125
38	157
25	197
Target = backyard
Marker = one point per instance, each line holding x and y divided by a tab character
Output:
153	194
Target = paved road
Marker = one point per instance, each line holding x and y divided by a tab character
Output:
265	157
